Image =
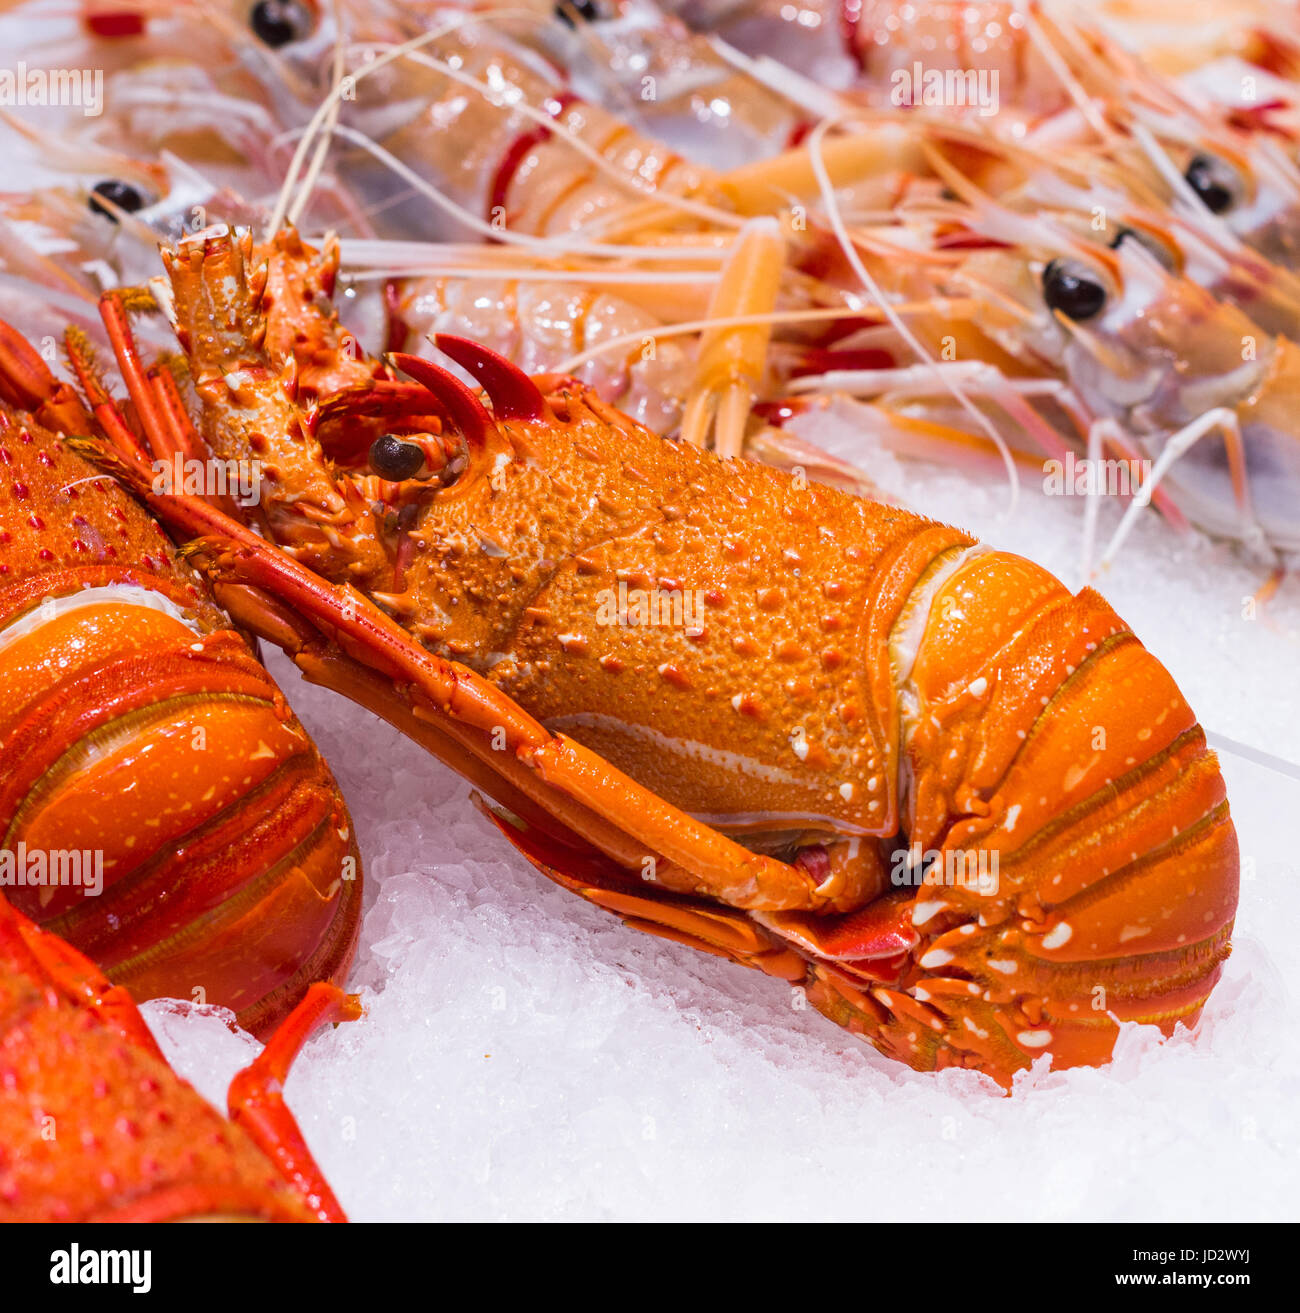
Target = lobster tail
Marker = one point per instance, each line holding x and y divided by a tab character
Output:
161	808
1074	858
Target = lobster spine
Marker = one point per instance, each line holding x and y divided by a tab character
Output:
149	761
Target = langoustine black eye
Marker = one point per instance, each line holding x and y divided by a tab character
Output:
394	458
1215	182
587	10
1071	288
278	23
118	193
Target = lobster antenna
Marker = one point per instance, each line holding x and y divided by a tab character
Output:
1280	765
684	328
336	93
1052	58
594	277
560	245
327	127
378	252
836	219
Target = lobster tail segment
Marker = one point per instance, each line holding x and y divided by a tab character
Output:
160	806
1076	863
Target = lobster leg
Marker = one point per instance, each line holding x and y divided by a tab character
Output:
1221	421
113	309
845	966
709	928
173	418
80	980
256	1096
125	443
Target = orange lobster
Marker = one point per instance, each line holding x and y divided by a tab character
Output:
204	847
962	809
97	1126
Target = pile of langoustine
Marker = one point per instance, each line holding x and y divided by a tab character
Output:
1106	264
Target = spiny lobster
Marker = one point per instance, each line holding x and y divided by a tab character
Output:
97	1126
868	702
139	731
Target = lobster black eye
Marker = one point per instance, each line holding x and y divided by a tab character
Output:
276	23
587	10
115	192
1215	182
394	458
1072	289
